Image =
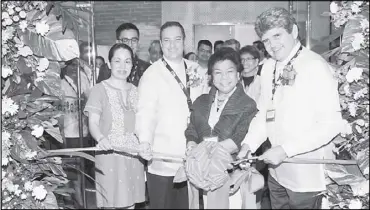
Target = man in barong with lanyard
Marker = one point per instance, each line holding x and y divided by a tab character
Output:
166	94
299	112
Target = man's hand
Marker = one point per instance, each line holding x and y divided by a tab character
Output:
104	144
274	156
145	151
244	152
189	147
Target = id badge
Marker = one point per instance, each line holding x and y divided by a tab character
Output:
211	138
270	115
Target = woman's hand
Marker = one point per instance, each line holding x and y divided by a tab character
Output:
104	144
190	146
145	151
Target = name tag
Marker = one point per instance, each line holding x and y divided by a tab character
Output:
270	115
211	138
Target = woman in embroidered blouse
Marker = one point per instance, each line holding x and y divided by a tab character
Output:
111	110
250	76
225	113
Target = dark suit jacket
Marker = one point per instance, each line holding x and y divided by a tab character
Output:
234	119
138	70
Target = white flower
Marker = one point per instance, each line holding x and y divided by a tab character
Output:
4	15
11	11
3	173
361	93
359	3
42	28
8	22
346	127
30	155
5	142
360	189
7	34
364	24
28	186
355	8
25	51
15	18
358	128
40	76
4	161
39	192
18	9
23	25
43	64
367	108
358	39
360	122
6	72
354	74
355	204
23	14
37	131
346	89
352	108
8	105
17	192
334	7
23	196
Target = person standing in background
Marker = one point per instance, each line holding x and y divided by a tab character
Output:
155	51
204	53
264	55
217	45
69	84
128	33
233	43
162	116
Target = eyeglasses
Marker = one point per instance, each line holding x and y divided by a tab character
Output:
247	60
132	41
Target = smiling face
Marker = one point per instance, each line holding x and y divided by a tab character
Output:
279	43
249	62
172	43
121	64
204	52
225	76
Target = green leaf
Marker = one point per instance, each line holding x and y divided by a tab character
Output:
51	83
50	202
30	141
22	67
57	170
352	26
64	191
54	45
77	154
56	180
363	161
55	133
342	176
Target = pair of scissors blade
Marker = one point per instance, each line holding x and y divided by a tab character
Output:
251	159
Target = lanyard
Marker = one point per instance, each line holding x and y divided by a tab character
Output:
185	90
274	85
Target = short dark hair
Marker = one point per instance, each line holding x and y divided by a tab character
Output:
83	45
188	55
225	53
217	43
154	42
261	47
205	42
117	46
100	57
126	26
171	24
252	50
233	41
273	18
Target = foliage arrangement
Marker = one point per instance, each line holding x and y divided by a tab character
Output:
36	40
349	185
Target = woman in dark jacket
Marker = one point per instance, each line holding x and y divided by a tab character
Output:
225	113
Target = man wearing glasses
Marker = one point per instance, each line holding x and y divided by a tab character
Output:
128	33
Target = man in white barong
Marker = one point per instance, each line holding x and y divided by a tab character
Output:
299	112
